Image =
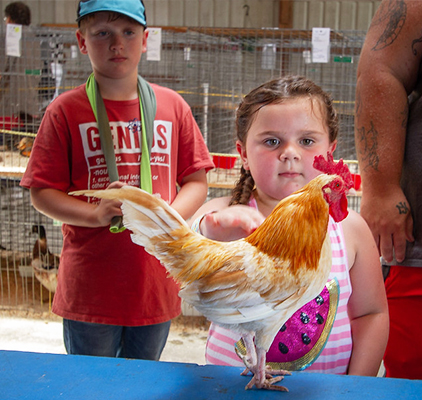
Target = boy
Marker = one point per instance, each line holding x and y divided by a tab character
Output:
116	300
18	88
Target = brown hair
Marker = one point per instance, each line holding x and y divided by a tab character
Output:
19	13
274	92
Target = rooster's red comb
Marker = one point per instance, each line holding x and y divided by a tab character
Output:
328	166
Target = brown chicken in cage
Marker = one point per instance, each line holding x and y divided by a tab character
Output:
44	263
25	146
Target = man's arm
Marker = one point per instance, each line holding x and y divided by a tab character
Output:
387	73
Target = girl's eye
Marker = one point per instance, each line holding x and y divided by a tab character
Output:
307	142
272	142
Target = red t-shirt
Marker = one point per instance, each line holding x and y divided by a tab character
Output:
104	277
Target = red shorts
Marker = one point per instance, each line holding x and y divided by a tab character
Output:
403	356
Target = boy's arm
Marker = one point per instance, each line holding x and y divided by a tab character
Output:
71	210
192	194
367	306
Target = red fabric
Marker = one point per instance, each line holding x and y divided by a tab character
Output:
404	349
104	277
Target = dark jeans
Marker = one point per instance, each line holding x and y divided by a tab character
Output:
139	342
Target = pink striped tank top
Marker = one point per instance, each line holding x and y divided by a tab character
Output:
335	357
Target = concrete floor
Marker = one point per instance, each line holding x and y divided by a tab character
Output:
185	343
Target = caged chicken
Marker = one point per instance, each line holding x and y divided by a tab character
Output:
44	263
25	146
253	285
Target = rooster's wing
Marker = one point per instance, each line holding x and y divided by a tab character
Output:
231	283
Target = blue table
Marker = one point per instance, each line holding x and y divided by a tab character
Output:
51	376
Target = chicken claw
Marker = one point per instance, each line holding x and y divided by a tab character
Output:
263	375
267	384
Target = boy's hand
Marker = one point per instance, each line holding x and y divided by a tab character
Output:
107	209
231	223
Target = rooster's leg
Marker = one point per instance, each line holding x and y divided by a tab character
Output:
263	375
250	358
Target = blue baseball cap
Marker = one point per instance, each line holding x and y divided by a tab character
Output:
134	9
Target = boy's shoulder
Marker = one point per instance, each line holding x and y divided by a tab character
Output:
71	97
169	101
165	91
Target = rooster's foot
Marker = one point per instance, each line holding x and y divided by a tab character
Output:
269	372
268	383
270	379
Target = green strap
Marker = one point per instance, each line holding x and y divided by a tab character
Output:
106	139
147	101
149	107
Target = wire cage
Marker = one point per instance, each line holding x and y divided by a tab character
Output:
214	68
211	68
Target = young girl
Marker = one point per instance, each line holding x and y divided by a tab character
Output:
281	126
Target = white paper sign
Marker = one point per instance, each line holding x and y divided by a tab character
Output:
154	44
307	56
320	45
269	56
13	40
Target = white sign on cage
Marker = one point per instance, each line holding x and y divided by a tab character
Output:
269	55
13	40
154	44
320	45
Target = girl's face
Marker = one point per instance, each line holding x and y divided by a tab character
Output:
114	47
281	145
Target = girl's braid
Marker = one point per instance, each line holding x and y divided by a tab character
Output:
243	189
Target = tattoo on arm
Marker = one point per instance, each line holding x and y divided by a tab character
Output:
369	146
394	16
402	207
414	43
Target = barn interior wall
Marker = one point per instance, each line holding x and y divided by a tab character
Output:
305	14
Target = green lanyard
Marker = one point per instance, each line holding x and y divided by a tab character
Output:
100	113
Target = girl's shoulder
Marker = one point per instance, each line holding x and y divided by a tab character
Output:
358	237
353	221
